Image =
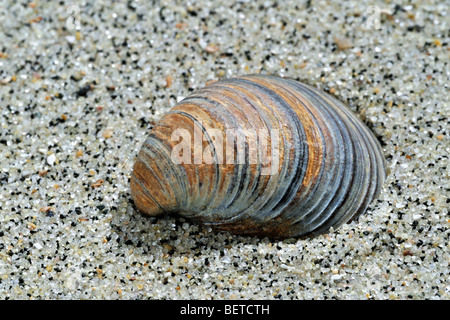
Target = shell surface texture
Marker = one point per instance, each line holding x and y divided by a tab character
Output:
259	155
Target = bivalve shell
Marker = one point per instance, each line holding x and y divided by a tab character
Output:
259	155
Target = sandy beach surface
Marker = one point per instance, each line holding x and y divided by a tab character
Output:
82	83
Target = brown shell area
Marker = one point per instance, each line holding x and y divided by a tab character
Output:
326	165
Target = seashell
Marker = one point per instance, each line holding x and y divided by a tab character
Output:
259	155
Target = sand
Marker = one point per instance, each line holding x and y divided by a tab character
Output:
82	83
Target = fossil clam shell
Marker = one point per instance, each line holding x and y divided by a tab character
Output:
259	155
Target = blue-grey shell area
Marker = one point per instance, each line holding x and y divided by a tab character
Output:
331	166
